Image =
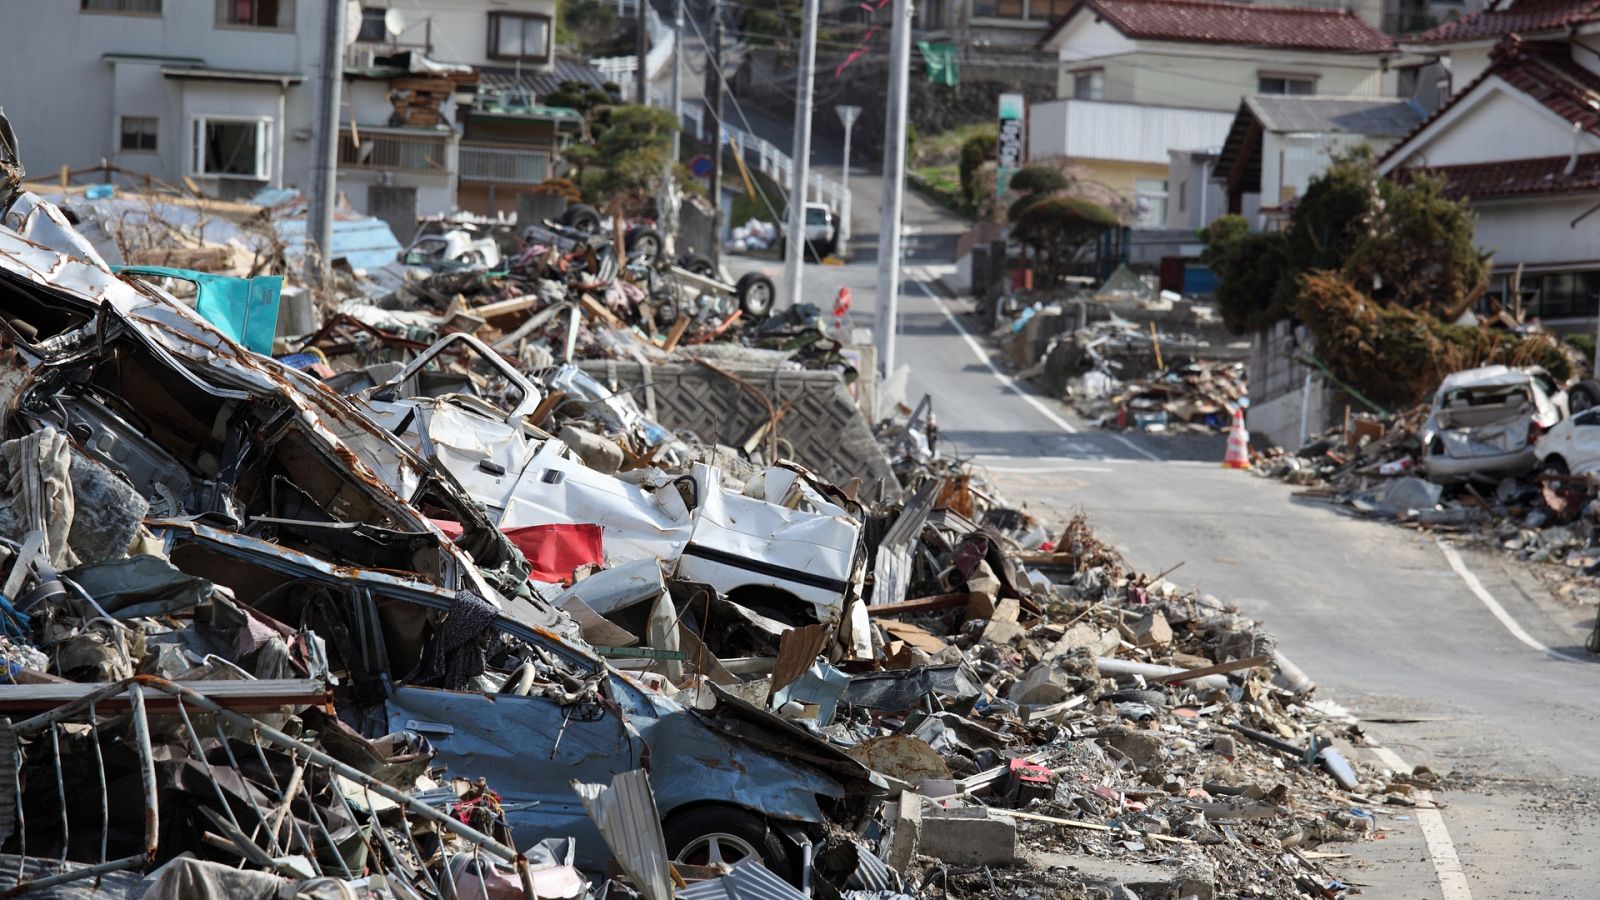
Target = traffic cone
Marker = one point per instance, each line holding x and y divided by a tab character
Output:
1237	455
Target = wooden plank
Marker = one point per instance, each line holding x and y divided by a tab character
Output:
1218	669
931	603
676	334
920	638
506	307
595	308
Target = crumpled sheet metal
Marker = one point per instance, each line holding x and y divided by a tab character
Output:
746	881
626	812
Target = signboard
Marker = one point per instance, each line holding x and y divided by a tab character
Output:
1009	151
701	166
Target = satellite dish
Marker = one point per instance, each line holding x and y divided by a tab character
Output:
394	23
352	21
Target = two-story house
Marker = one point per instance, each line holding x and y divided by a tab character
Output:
1519	139
222	93
1138	79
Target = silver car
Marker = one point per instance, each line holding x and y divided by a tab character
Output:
1485	421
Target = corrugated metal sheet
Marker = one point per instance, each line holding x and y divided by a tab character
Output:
626	814
1123	132
748	880
366	242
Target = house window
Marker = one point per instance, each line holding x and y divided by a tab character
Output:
139	133
123	7
1150	196
232	148
1089	84
1286	84
271	14
1183	195
1049	10
374	25
517	36
1566	295
997	9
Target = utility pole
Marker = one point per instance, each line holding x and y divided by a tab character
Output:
847	117
894	182
325	146
794	262
677	80
714	73
641	49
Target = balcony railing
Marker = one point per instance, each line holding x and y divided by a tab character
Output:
381	151
360	55
504	165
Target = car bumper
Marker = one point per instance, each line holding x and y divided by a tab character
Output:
1451	470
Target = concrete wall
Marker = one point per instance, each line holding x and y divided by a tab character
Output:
1278	392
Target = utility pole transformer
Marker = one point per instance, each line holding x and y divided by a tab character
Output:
794	263
325	147
894	183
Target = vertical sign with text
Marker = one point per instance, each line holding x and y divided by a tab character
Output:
1009	148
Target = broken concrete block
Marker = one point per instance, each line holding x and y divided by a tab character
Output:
983	583
1083	636
596	451
969	836
1047	682
1150	631
907	833
1003	627
1142	747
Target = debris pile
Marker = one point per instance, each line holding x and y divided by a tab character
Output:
425	608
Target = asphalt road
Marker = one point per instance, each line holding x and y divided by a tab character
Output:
1373	612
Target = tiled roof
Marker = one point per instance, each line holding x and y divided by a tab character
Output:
510	80
1516	17
1518	177
1370	116
1240	24
1545	72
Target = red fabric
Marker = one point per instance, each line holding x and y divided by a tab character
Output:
553	551
1240	24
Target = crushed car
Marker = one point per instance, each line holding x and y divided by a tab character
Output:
1484	421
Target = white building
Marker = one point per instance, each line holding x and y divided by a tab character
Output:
222	92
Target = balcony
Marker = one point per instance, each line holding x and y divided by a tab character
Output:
504	165
391	150
361	54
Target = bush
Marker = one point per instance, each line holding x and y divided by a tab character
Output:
974	153
1249	267
563	187
1060	228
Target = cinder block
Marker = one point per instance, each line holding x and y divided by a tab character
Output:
970	836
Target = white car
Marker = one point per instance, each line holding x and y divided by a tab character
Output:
1484	423
1571	446
781	549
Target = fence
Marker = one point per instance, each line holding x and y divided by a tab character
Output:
504	165
770	160
381	151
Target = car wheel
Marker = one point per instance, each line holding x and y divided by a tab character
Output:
645	242
1583	395
582	218
700	265
756	294
1554	465
723	836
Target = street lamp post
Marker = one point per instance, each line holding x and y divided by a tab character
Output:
847	116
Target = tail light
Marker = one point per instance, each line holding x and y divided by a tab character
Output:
1534	430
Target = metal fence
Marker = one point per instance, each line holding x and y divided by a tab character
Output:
504	165
389	152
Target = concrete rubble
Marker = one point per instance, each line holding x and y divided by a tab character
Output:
416	605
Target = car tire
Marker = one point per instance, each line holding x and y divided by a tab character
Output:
713	835
644	241
1554	464
582	217
699	265
757	295
1583	395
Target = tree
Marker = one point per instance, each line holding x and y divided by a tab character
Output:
634	149
591	28
1036	183
1060	228
1249	266
974	153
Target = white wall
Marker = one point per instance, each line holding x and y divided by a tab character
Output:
1498	123
1290	161
460	30
1537	232
1088	129
1203	198
1466	64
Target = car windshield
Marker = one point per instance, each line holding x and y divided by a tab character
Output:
815	216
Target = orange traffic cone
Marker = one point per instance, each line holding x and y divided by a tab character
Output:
1237	455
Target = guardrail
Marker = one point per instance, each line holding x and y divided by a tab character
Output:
772	161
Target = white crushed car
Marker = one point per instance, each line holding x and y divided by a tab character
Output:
1485	420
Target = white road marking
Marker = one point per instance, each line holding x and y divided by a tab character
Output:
1041	470
1446	863
1493	605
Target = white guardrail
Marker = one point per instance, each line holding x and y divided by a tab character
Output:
770	160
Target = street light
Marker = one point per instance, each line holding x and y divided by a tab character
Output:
847	116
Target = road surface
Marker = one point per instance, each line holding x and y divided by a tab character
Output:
1375	613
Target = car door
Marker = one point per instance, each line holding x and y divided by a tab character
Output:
1582	449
